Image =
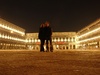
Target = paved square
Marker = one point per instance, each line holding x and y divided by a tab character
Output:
21	62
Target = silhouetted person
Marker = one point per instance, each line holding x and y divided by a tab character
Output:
41	36
48	36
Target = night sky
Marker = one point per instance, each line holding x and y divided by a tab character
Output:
64	15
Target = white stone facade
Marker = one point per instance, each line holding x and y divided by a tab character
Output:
89	37
14	37
11	36
60	40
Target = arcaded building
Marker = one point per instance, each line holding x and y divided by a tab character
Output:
11	36
60	40
33	43
89	37
86	38
14	37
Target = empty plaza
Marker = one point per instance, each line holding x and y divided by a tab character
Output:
60	62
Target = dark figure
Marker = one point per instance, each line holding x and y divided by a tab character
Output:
41	36
48	37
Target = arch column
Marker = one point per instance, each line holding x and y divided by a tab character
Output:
72	46
69	46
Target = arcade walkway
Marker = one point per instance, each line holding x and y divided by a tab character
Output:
50	63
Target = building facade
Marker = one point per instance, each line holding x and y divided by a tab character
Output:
89	37
11	36
60	40
33	43
14	37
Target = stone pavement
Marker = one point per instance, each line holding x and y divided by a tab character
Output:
70	62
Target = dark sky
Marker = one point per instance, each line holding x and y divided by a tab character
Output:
64	15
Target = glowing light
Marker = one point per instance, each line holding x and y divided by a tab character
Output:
5	36
35	40
96	46
58	39
11	29
29	40
97	37
57	46
0	35
72	40
93	43
38	40
11	38
32	40
61	39
65	40
89	32
55	40
68	39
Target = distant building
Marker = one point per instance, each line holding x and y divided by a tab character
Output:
32	41
11	36
89	37
61	40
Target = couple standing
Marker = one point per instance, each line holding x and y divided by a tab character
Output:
45	34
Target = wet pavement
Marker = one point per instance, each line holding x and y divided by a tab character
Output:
70	62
